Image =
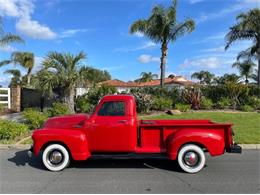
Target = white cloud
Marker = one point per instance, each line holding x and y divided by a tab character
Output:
139	34
37	63
8	8
214	49
144	59
195	1
237	5
203	63
212	38
7	48
112	68
72	32
33	29
146	45
22	10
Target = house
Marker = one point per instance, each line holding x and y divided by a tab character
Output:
122	86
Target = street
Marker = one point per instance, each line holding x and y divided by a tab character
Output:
230	173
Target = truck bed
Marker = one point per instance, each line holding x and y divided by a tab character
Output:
153	134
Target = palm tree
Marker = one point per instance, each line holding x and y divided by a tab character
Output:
146	77
245	69
227	78
162	27
16	79
171	76
205	77
26	60
247	28
7	38
60	70
91	75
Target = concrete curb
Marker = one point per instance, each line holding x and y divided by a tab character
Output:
27	146
250	146
13	146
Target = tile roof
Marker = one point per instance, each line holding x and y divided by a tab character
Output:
179	80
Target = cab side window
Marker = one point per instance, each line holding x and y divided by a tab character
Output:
112	109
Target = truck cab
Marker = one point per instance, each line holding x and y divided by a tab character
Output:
114	129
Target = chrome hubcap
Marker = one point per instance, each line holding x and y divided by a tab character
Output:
191	159
55	157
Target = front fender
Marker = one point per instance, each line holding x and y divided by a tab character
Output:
212	140
74	140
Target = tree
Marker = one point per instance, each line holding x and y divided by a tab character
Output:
16	79
61	70
146	77
205	77
162	27
245	69
91	75
26	60
7	38
171	76
233	78
247	28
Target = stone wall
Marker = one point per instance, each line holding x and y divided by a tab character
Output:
16	99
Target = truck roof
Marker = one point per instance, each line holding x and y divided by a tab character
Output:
118	97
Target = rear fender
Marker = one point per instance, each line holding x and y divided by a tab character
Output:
74	140
211	139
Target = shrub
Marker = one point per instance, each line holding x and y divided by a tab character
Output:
87	102
247	108
83	105
144	102
206	104
2	108
254	102
10	130
58	109
162	104
34	118
183	107
192	96
96	93
237	93
223	103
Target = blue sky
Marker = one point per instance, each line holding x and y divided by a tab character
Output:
101	29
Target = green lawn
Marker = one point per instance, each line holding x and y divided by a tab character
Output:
246	125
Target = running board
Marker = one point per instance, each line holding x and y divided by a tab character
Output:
129	156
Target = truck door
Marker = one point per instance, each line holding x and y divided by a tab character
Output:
111	128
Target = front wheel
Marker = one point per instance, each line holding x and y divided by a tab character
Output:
55	157
191	158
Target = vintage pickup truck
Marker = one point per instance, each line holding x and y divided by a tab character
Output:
114	130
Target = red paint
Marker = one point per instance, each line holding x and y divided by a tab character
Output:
84	134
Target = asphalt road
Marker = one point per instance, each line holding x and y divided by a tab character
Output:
230	173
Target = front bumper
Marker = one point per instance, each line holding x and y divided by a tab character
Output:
30	152
234	149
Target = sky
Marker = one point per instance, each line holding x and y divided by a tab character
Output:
100	28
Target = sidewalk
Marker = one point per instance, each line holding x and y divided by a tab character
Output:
17	117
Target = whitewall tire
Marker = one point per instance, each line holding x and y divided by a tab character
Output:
191	158
55	157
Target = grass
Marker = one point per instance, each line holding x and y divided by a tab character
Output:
246	125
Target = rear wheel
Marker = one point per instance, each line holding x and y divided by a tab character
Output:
55	157
191	158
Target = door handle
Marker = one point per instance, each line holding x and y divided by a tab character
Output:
122	121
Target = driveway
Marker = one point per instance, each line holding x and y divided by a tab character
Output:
230	173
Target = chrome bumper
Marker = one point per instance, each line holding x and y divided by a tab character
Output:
30	152
234	149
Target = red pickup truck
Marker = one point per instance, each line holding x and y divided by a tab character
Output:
114	130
